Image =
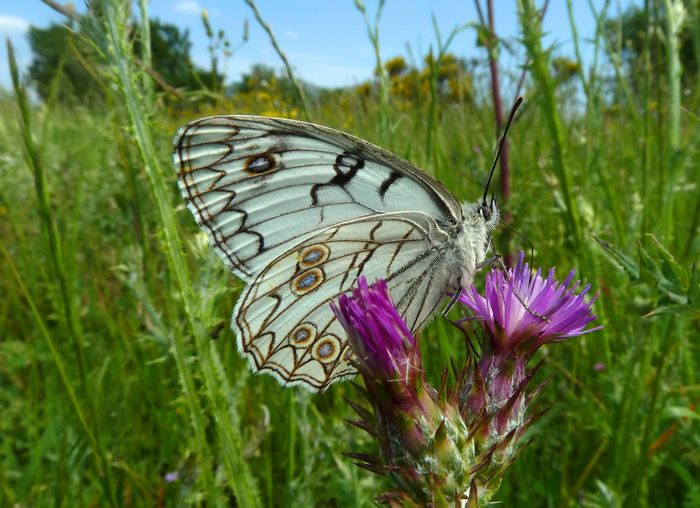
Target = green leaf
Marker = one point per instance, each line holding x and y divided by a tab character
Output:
677	286
624	261
678	412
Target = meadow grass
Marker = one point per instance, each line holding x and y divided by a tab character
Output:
118	365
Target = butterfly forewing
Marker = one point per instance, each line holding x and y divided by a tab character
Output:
258	186
266	189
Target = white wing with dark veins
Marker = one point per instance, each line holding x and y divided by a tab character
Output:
299	211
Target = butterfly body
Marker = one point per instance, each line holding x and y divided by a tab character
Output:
298	211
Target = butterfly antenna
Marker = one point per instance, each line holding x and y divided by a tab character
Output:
527	240
501	141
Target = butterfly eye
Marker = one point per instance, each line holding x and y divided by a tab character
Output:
485	211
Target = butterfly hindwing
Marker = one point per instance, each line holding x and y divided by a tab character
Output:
258	186
282	320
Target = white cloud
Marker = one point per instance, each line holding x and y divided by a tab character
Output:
188	7
13	24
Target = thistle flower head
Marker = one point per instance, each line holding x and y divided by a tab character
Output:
406	418
519	312
454	445
555	311
380	339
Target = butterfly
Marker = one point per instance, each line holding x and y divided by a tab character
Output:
298	211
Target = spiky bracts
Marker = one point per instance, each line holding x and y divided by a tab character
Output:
452	445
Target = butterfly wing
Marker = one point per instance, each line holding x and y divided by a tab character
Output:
265	189
258	186
282	320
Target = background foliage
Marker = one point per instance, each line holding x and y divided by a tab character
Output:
120	381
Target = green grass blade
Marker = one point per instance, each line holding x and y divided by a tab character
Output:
238	475
33	158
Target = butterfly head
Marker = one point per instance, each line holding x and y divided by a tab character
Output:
489	211
482	216
480	219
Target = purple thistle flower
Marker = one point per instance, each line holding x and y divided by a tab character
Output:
554	311
406	419
379	337
453	445
514	332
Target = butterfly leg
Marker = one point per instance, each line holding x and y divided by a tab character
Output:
499	262
469	338
451	303
460	285
459	322
489	261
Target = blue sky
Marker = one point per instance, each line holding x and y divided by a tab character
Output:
325	40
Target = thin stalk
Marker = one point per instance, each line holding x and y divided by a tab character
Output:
290	73
498	106
646	117
213	60
674	17
632	107
623	424
590	466
237	472
268	458
577	49
434	112
658	58
146	53
694	14
58	361
292	438
523	74
674	21
35	163
492	48
136	200
384	101
432	109
532	38
652	413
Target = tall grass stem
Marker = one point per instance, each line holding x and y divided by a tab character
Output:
384	92
35	163
532	39
287	66
237	473
675	18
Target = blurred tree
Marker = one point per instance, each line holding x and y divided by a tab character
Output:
262	77
453	79
272	90
629	33
64	61
61	62
564	69
170	48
